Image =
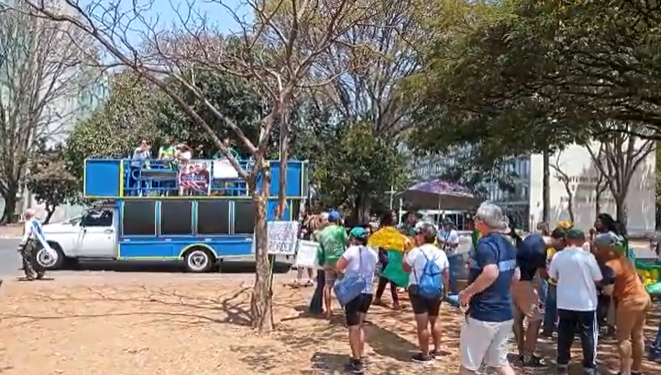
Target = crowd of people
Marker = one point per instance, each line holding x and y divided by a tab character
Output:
563	281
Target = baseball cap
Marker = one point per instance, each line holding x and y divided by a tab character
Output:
358	232
333	216
575	235
609	240
559	233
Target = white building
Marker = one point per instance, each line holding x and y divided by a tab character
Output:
583	177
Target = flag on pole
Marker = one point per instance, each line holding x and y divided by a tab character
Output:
395	244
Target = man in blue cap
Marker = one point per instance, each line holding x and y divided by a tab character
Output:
332	241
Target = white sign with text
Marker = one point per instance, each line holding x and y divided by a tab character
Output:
282	237
307	254
223	170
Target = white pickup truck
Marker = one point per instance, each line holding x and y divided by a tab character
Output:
91	235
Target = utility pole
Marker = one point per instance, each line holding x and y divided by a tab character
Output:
391	192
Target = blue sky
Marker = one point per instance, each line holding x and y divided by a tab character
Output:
215	10
166	12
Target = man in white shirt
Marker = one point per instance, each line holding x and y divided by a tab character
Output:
577	274
29	245
448	240
426	307
138	161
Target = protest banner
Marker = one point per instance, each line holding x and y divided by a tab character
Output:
194	177
223	170
307	254
282	237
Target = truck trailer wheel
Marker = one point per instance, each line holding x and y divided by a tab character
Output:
198	260
43	258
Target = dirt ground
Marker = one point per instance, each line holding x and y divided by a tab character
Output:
182	324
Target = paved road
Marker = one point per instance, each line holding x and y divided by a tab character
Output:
10	262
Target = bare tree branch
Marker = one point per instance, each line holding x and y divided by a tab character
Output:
45	68
619	156
563	177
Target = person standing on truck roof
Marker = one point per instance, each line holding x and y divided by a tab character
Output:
138	161
332	241
166	152
227	142
29	246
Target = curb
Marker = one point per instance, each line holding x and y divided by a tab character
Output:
10	237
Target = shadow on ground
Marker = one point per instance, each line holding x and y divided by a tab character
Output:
300	344
157	303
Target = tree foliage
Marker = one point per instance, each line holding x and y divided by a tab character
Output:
516	77
128	115
355	169
471	93
234	97
549	72
50	181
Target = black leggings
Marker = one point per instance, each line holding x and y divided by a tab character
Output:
382	287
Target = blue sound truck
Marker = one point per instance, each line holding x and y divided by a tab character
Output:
200	213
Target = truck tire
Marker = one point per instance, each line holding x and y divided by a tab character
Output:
56	264
199	260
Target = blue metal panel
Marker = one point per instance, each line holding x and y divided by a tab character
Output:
294	175
102	178
146	250
272	207
236	247
159	249
275	179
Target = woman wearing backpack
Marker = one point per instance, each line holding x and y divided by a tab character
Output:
429	278
358	263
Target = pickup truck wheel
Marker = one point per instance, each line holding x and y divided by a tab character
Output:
198	260
46	261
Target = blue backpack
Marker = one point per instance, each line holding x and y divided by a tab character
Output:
430	283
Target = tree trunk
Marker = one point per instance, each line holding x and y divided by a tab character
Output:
261	302
621	209
570	201
546	185
284	158
49	213
363	207
597	203
570	209
10	205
